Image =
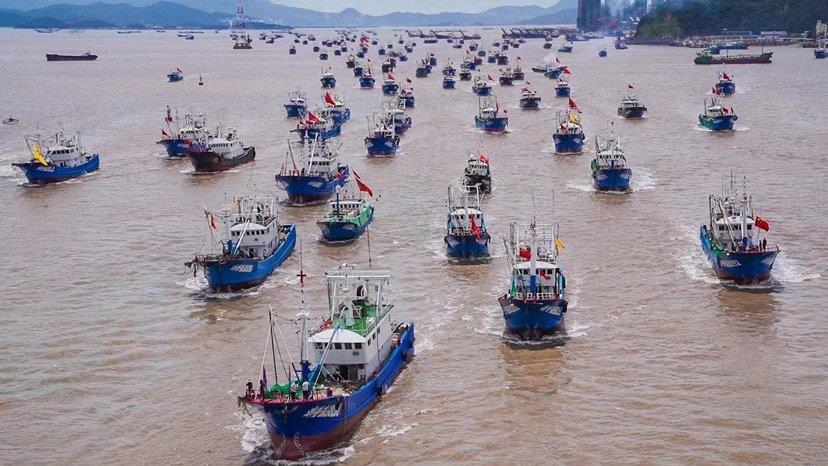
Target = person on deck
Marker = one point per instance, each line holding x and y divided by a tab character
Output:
305	390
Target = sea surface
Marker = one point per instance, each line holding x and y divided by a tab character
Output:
111	352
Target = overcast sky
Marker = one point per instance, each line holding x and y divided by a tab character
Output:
378	7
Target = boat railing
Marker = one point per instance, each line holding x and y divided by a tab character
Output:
536	296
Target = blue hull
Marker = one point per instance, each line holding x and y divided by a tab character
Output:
448	84
724	123
175	78
820	53
726	88
328	83
358	72
300	427
612	180
467	247
40	174
483	91
492	125
632	113
342	231
409	102
366	82
390	89
562	91
295	111
382	146
533	319
741	267
554	73
309	189
569	143
243	273
331	132
400	127
175	147
340	118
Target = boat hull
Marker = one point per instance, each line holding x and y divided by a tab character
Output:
343	231
382	146
58	57
366	82
467	247
210	162
741	267
569	143
390	89
328	83
238	274
301	427
562	91
506	81
295	111
309	189
495	125
37	173
448	84
174	147
532	320
726	88
483	91
820	53
723	123
484	183
605	179
325	133
632	113
530	103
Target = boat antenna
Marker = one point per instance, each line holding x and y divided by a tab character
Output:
368	231
272	344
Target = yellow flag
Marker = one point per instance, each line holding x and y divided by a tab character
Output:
558	244
574	118
38	155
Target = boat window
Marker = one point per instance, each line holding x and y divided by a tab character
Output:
348	346
357	345
337	345
319	346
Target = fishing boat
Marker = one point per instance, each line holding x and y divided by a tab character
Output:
705	58
432	59
360	349
821	52
631	107
313	125
555	71
542	68
506	77
176	139
358	70
602	53
448	69
733	239
501	59
717	117
335	109
388	65
253	244
292	50
221	151
349	216
535	305
406	97
65	158
609	167
243	42
323	55
529	98
366	81
311	171
396	118
481	87
328	80
297	105
725	84
562	88
620	43
465	74
478	173
448	82
423	70
11	121
569	135
175	75
351	61
488	117
390	86
82	57
466	236
517	72
566	47
382	140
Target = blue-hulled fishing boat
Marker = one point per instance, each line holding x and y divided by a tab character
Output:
358	70
602	53
360	349
382	140
478	173
529	98
311	171
328	79
535	305
566	47
313	125
725	84
717	117
631	107
335	108
390	86
481	87
253	244
569	135
448	69
448	82
176	139
562	88
506	77
609	167
406	97
488	117
466	236
296	105
349	216
65	158
175	75
733	242
396	118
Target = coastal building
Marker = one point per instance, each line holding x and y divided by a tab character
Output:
821	30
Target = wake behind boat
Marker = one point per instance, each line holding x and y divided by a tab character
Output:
65	158
360	349
254	243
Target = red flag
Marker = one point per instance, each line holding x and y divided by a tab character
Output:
725	75
312	119
557	60
490	77
716	90
391	76
329	100
408	80
724	111
572	104
474	228
213	223
566	71
630	86
164	133
362	186
484	158
762	224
